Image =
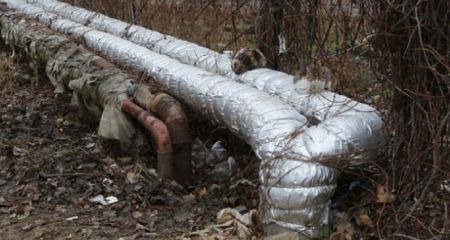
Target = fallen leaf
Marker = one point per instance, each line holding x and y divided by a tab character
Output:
38	234
137	214
27	227
383	195
202	192
344	229
364	219
131	177
23	216
19	151
90	145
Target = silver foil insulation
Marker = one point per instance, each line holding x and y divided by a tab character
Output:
299	163
354	123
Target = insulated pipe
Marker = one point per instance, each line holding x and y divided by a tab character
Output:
184	51
170	111
160	135
296	187
107	84
355	124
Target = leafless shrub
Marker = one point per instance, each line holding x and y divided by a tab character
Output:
412	56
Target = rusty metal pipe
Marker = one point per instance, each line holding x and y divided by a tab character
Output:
170	111
160	135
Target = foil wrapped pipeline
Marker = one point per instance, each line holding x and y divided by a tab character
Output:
297	180
355	124
184	51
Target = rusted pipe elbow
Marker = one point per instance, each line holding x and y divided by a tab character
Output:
160	135
170	111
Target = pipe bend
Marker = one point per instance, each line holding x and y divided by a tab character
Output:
160	135
171	112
